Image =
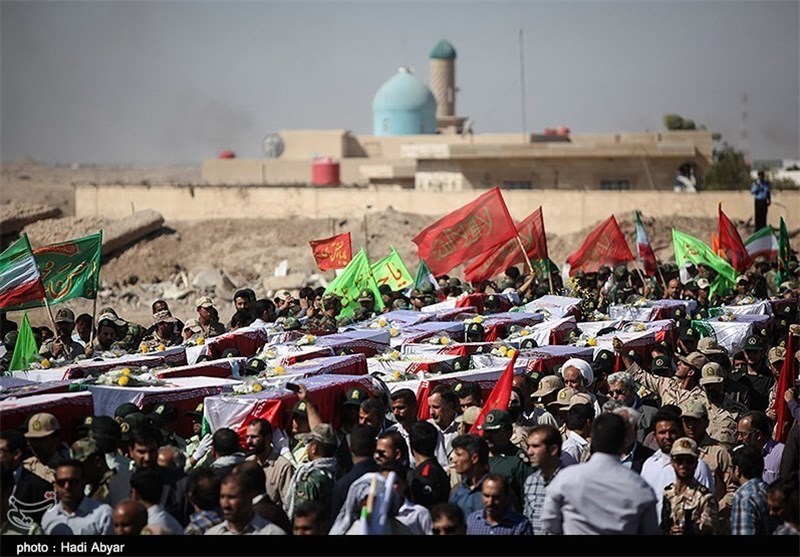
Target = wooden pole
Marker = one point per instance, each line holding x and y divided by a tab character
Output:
50	313
94	316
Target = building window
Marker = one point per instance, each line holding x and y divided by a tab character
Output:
615	184
517	185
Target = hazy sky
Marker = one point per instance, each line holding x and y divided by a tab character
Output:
176	82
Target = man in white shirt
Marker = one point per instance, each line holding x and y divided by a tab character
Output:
146	488
76	514
657	470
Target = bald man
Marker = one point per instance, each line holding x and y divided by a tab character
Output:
129	518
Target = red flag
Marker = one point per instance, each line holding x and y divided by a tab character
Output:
466	233
332	253
500	396
605	245
783	418
494	262
715	245
731	243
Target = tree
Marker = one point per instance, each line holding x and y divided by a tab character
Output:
677	122
729	170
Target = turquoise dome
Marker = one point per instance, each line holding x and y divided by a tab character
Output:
443	51
404	106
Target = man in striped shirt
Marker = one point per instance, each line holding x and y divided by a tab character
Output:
749	512
544	452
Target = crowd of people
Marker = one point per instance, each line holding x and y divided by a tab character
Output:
681	443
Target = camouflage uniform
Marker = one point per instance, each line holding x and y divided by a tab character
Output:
215	328
132	338
722	418
314	484
719	461
668	389
695	503
69	351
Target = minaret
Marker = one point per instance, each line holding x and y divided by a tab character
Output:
443	87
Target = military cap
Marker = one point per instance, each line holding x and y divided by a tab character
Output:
603	361
563	397
684	447
688	333
366	295
204	302
163	316
110	314
754	342
416	293
197	413
300	409
492	302
133	421
64	315
400	303
693	408
661	363
104	425
528	343
679	312
776	354
712	373
324	434
579	398
82	449
695	360
254	366
469	416
355	396
496	419
291	324
547	386
125	409
703	284
42	425
193	325
10	339
603	272
164	413
709	345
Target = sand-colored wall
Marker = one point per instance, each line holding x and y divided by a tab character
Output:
564	211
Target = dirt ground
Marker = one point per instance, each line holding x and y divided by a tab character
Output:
186	259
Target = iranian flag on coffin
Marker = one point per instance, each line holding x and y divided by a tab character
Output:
20	281
762	243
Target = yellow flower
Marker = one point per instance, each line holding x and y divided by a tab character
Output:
280	370
478	319
511	352
161	347
523	333
382	322
124	380
45	363
444	340
503	351
257	387
394	331
395	355
592	342
143	348
396	376
201	340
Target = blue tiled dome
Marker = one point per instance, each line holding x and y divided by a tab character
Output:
443	51
404	106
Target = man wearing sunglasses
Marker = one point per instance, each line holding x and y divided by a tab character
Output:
76	514
688	506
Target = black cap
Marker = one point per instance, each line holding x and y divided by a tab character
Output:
300	409
497	419
754	342
603	361
164	413
133	421
125	409
254	366
104	425
688	333
527	344
197	413
355	396
661	363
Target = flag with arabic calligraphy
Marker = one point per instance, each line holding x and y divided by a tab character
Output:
466	233
392	270
332	253
605	245
492	263
69	270
355	278
689	248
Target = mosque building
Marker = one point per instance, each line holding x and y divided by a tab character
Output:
419	142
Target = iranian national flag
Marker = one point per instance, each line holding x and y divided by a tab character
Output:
605	245
646	254
20	281
424	275
467	232
492	263
731	243
762	243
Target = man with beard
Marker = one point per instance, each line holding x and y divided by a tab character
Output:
277	468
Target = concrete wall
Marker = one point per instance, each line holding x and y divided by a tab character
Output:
564	211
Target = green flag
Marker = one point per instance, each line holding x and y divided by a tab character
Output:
689	248
25	350
392	271
424	275
69	270
784	252
357	276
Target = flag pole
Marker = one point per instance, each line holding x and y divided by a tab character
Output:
50	313
641	276
96	294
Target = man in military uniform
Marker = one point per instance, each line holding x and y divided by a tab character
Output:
314	480
61	346
165	418
756	377
703	299
210	326
108	324
723	411
164	335
129	335
688	507
684	385
418	299
44	440
505	458
100	484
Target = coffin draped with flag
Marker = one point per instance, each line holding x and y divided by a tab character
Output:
466	233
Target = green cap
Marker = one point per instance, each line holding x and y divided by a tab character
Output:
82	449
497	419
